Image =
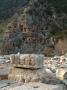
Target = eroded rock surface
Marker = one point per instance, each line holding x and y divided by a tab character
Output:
27	60
27	68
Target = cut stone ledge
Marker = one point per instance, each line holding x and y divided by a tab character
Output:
33	61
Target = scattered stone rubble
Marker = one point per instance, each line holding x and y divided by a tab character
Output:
58	65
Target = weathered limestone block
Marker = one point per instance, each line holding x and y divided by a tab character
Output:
27	68
32	60
26	75
28	60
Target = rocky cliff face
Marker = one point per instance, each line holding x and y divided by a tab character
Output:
35	29
9	7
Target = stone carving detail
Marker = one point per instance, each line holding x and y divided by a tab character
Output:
27	60
26	67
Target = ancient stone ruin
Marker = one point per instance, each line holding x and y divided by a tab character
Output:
27	68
